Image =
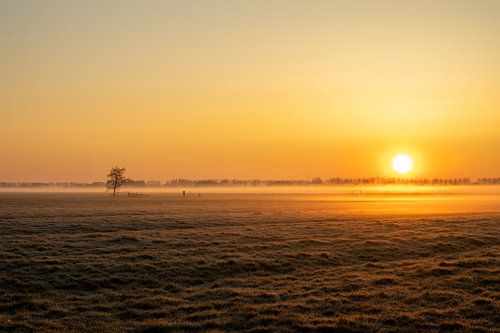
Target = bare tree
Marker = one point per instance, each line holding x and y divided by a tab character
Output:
116	178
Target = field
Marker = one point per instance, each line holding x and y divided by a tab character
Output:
249	263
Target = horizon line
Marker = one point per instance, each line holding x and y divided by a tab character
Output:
256	182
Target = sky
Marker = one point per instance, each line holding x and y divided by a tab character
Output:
248	89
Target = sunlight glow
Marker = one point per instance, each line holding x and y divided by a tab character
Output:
402	163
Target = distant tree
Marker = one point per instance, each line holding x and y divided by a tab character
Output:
116	178
316	181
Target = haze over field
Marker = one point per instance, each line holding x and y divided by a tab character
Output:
248	89
247	263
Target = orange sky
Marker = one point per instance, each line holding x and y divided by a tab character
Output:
248	89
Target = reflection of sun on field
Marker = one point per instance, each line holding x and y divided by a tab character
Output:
402	163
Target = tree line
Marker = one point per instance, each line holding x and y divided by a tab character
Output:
116	176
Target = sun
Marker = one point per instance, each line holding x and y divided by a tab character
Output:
402	163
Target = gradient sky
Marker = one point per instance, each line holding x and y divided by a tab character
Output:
248	89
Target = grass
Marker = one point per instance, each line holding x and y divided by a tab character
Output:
88	263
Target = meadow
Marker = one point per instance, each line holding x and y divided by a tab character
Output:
89	262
